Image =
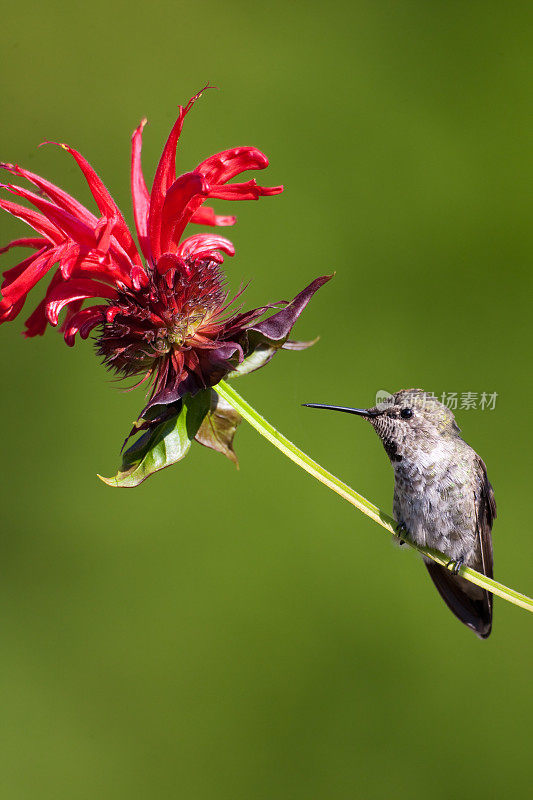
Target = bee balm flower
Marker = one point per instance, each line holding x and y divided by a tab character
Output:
159	311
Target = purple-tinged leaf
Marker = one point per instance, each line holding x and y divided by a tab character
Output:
219	426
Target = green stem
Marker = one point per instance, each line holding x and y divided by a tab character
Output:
295	454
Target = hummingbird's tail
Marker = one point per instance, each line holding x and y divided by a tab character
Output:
470	603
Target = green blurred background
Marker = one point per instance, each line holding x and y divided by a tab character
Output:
223	634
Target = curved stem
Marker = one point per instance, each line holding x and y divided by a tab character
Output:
335	484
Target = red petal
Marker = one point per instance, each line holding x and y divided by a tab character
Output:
78	211
107	243
244	191
236	191
72	309
103	232
202	243
37	322
83	322
25	242
139	192
111	312
118	266
224	166
73	227
171	261
94	265
174	214
13	272
139	277
25	281
36	221
166	169
165	174
8	312
78	289
105	203
69	260
62	198
206	216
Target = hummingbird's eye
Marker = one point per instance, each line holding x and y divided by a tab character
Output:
406	413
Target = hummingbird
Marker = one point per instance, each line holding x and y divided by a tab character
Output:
442	496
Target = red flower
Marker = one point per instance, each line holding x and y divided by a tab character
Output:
165	315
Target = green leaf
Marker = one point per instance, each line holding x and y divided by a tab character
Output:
259	356
219	426
163	445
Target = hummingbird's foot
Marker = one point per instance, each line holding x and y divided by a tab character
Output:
455	566
400	529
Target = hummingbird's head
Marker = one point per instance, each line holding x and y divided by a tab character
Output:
408	422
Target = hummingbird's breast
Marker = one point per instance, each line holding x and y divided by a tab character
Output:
434	497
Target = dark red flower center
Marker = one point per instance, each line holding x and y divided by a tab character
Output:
176	311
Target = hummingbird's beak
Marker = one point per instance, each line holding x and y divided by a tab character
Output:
361	412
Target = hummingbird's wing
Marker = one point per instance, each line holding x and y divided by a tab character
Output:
485	514
470	603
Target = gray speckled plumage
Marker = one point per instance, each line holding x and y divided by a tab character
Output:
442	496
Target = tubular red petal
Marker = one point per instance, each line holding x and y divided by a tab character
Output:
78	232
248	190
166	169
212	255
35	220
102	231
106	244
202	243
13	272
94	265
37	322
77	289
105	202
174	215
111	313
165	174
69	260
26	280
206	216
77	211
57	195
139	192
171	261
72	309
226	165
72	226
9	312
83	322
139	277
25	242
